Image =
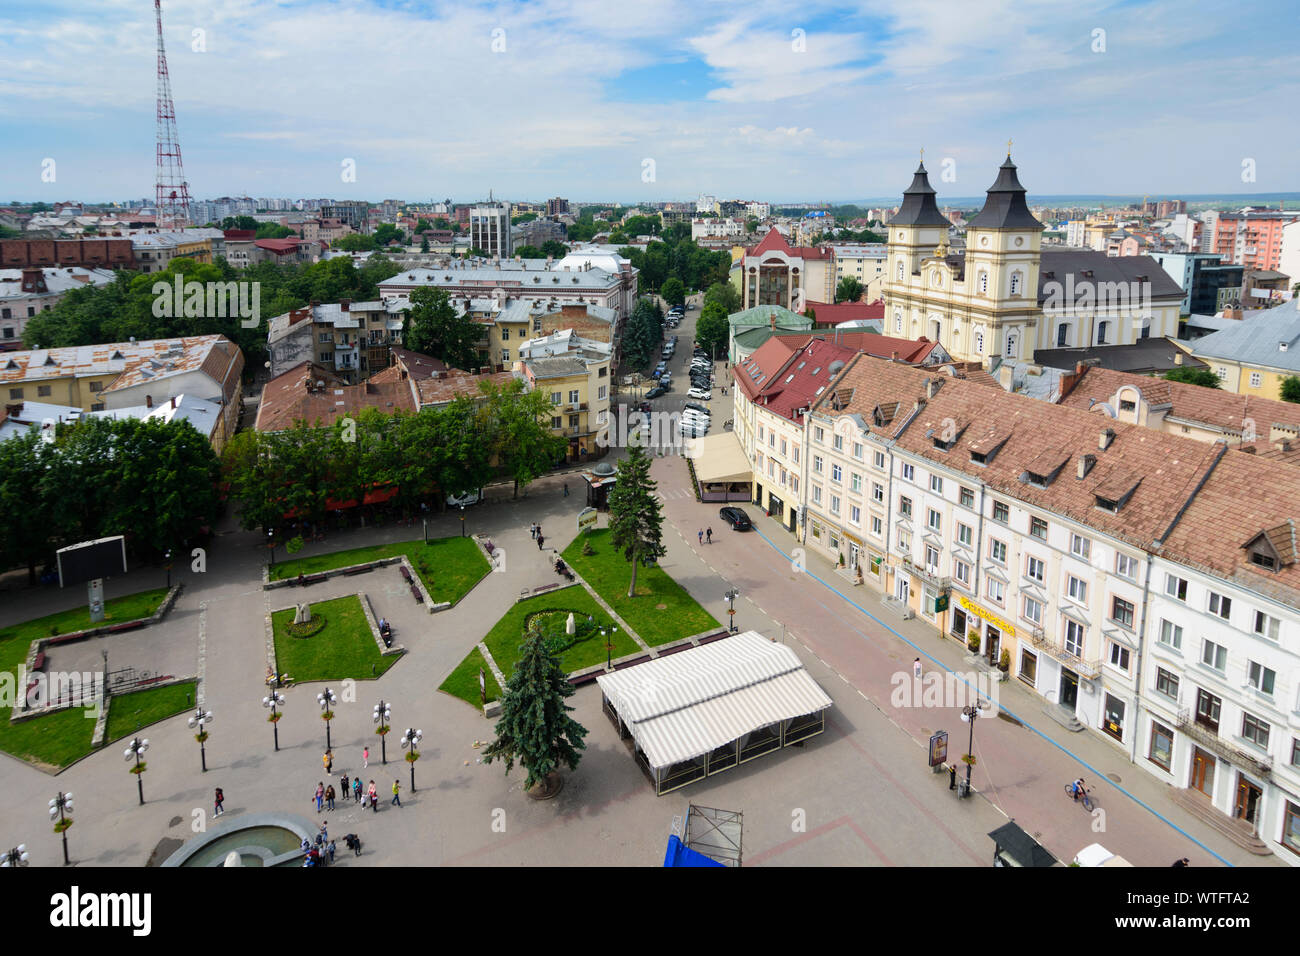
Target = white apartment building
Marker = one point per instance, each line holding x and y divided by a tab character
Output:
717	228
489	229
864	262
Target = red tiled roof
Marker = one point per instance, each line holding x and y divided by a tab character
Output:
803	378
769	358
833	313
775	242
293	396
279	246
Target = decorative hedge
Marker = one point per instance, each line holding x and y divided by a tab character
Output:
310	629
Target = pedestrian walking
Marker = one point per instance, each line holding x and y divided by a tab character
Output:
356	790
353	843
218	802
540	541
365	757
324	834
320	796
700	534
566	489
397	796
328	760
332	848
345	788
916	668
532	530
708	534
329	797
373	796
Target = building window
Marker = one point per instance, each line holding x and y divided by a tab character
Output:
877	527
997	551
934	520
1074	638
1076	588
760	433
96	386
1028	667
819	436
1167	683
878	459
1001	512
1015	283
1171	635
795	453
931	557
1125	566
909	472
996	591
855	514
967	497
1034	611
961	572
1291	827
556	398
1080	546
573	396
1266	626
857	450
837	473
1119	656
1176	587
1161	752
1113	719
817	464
16	393
1256	379
1121	612
855	482
905	506
984	282
1038	528
1220	605
964	534
837	441
42	391
97	407
936	484
1035	569
817	494
1261	678
782	446
904	542
1255	730
877	492
1214	656
601	393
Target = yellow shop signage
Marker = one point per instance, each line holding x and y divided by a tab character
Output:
971	607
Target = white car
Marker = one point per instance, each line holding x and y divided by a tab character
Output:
463	499
700	394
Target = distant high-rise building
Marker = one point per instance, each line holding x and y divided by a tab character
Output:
489	228
353	214
1250	239
557	207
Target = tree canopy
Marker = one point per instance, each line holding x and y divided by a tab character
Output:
1193	376
432	327
635	514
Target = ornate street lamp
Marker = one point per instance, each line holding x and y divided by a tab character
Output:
969	715
730	598
15	857
326	700
60	807
272	702
136	750
200	718
411	739
382	715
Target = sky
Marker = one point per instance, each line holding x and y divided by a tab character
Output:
606	100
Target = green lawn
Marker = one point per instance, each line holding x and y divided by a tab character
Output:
451	565
345	648
609	573
58	739
508	633
130	712
463	681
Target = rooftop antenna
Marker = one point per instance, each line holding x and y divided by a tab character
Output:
171	192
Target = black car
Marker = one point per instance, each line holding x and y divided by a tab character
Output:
696	406
736	518
657	391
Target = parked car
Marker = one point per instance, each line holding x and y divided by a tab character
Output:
697	407
700	393
462	499
693	416
657	390
735	517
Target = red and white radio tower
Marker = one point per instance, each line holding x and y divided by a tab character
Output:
172	193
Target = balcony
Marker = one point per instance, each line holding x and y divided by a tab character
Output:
1209	738
926	576
1089	669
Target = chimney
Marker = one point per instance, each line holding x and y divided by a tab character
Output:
173	401
893	356
931	387
772	321
14	410
1178	358
1283	444
344	304
1085	464
1107	436
148	401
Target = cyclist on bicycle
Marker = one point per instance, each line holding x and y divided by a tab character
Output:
1078	789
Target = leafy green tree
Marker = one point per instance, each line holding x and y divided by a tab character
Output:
354	242
529	252
849	289
713	331
422	225
673	292
432	327
522	218
462	440
239	222
386	233
269	230
725	294
554	249
535	727
424	243
1193	376
256	480
1291	389
24	507
751	225
442	225
635	516
519	421
474	252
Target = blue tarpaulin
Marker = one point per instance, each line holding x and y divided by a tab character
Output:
679	854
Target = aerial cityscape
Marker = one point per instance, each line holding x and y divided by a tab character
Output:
479	451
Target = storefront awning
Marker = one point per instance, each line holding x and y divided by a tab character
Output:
720	458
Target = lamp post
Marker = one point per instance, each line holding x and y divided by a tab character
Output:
970	715
270	539
60	807
609	645
272	701
411	739
15	857
383	713
168	559
730	598
136	750
462	520
200	718
326	700
426	530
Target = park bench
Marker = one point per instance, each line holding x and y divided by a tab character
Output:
406	575
306	579
488	546
127	626
544	588
360	569
38	664
415	593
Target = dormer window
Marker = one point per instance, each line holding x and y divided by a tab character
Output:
1273	548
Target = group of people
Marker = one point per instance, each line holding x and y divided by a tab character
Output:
322	851
705	535
536	531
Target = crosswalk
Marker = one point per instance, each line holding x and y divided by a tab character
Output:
676	494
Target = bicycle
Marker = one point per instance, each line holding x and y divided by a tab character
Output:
1082	798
